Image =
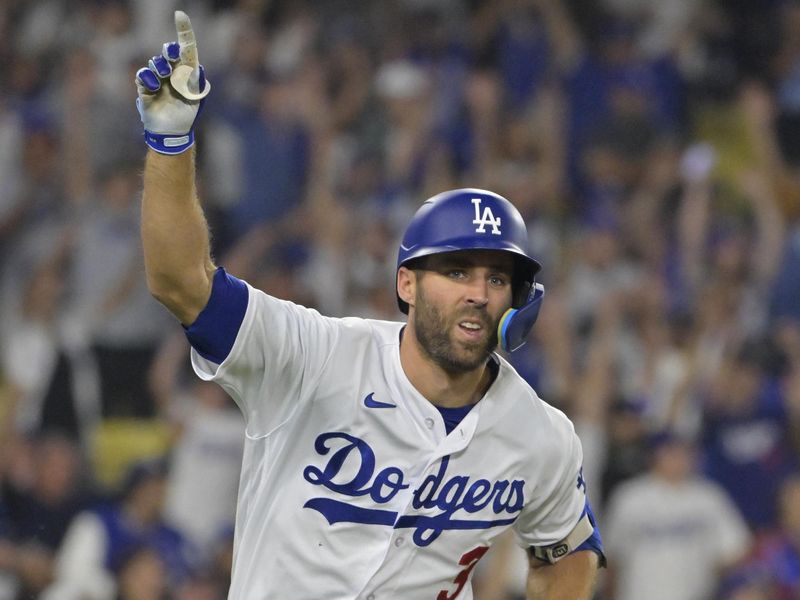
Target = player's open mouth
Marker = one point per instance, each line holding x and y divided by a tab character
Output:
472	329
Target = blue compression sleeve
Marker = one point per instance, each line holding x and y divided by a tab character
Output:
595	542
214	331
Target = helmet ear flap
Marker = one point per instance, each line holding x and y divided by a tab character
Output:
516	323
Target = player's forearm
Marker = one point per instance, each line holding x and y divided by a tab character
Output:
175	235
571	578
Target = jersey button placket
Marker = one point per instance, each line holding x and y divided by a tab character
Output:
399	542
429	423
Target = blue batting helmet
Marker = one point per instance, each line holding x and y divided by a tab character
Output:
474	219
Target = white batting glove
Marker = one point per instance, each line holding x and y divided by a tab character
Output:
171	90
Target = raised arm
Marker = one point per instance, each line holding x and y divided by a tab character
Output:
175	236
174	230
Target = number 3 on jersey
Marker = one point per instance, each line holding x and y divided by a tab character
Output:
469	560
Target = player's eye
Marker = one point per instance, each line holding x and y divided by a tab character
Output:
456	273
498	280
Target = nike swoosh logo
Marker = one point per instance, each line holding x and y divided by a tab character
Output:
370	402
411	247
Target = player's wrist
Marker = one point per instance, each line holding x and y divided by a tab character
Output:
169	143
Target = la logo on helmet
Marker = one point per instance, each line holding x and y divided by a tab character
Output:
487	218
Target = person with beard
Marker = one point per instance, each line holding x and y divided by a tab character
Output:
382	459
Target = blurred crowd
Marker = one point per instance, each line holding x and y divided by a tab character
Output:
653	147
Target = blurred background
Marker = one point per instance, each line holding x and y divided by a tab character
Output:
653	147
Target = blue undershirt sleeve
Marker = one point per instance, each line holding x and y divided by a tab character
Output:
595	542
214	331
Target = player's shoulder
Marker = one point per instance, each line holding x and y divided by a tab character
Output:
523	408
353	336
512	384
379	331
262	303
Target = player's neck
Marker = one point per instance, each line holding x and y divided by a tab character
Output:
439	386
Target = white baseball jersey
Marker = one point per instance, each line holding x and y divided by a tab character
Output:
671	540
350	486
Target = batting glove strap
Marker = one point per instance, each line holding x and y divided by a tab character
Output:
169	144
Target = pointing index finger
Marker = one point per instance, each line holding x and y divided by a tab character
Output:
186	39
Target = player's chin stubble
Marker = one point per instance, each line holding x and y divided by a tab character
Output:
434	335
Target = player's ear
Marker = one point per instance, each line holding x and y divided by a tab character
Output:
406	285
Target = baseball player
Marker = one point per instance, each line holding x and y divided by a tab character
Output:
381	459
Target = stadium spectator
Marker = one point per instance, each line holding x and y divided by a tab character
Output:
747	433
100	541
670	534
39	511
778	554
